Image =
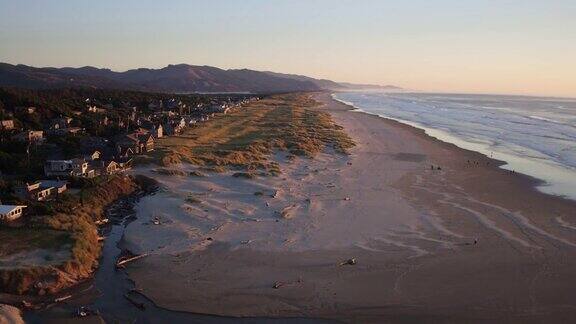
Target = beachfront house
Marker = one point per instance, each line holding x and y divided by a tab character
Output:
124	152
9	213
176	126
138	143
128	142
67	168
59	186
105	167
123	163
41	190
34	191
146	142
95	155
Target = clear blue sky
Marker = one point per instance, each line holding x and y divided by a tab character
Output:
522	46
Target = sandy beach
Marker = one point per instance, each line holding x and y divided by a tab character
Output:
438	234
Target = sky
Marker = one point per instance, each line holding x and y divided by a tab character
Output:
481	46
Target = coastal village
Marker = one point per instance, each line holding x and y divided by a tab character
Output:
48	153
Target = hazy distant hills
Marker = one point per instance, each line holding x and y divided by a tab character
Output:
181	78
359	86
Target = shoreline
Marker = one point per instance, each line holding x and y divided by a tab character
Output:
510	162
422	131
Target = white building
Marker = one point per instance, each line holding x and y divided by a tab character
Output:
36	191
10	213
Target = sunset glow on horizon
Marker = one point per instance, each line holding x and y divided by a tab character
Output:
512	47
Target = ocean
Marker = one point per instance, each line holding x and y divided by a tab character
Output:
535	136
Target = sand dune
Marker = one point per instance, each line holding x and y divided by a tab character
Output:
272	246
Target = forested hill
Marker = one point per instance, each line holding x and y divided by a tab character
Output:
181	78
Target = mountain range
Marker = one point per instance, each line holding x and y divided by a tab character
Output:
181	78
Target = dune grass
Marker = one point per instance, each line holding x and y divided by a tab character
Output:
246	138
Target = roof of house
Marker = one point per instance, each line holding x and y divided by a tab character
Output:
27	185
79	160
5	209
58	161
106	164
128	138
145	137
53	183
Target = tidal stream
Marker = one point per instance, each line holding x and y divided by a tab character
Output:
111	293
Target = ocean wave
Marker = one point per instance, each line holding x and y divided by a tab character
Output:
510	128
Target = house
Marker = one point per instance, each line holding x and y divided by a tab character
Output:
105	167
35	191
80	168
25	110
109	167
125	153
146	142
10	213
7	124
139	143
124	163
174	126
128	142
29	136
93	156
157	131
58	168
58	185
67	168
94	109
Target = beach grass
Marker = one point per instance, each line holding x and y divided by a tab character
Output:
247	138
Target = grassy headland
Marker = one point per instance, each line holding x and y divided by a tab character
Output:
246	138
70	224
